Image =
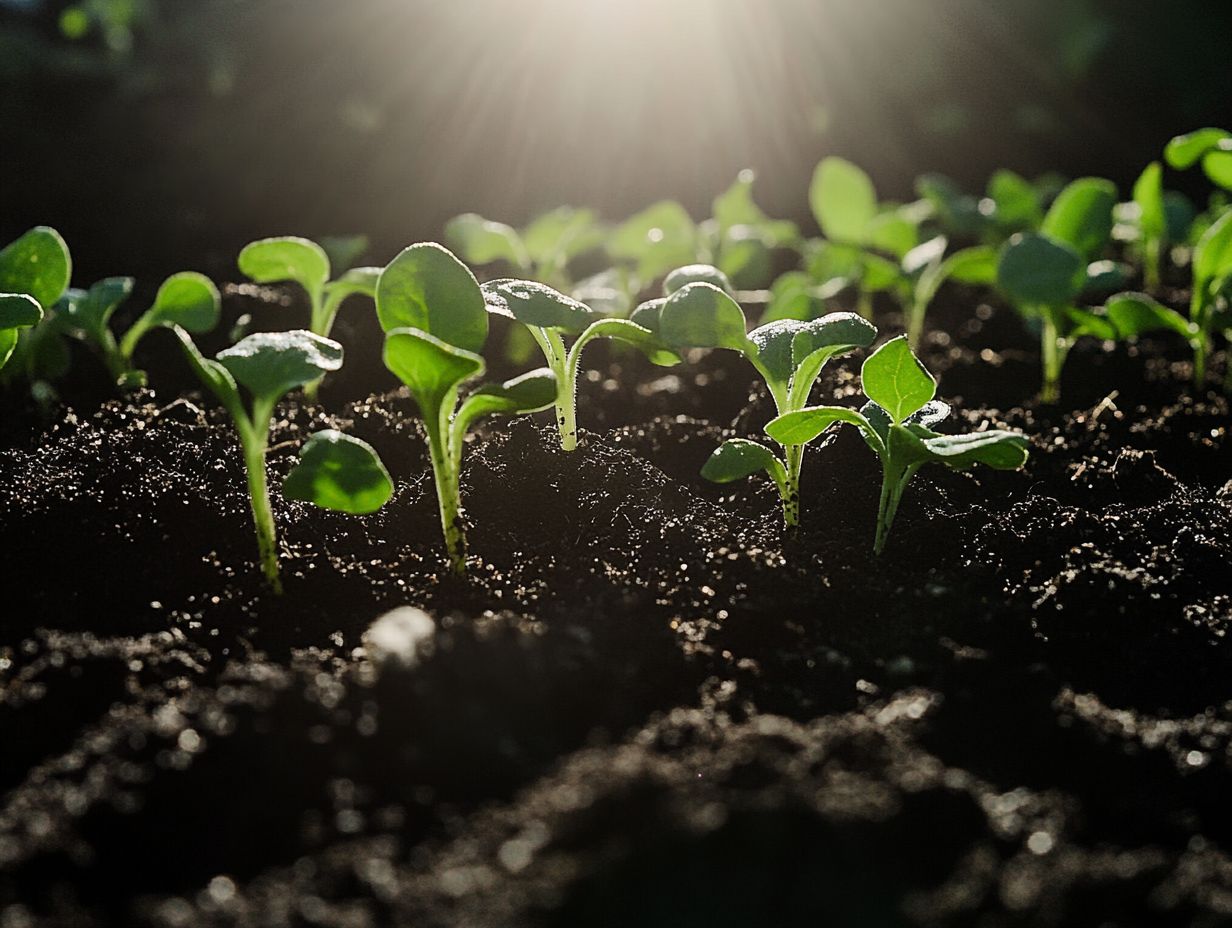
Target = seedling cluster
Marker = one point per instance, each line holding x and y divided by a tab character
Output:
1063	255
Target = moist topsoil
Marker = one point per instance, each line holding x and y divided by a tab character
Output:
647	704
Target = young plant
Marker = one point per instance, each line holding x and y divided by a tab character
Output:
858	231
436	323
1043	277
34	272
188	300
541	250
551	317
740	238
928	267
1152	221
339	472
302	261
268	365
897	424
789	355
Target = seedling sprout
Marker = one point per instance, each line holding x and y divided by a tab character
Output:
897	423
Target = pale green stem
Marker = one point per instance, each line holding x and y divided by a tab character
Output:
893	483
1053	354
915	322
553	347
445	476
1151	258
324	312
254	437
789	490
1202	340
128	344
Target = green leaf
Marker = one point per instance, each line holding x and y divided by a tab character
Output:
996	449
1136	314
37	264
535	304
1036	270
701	315
1104	277
558	236
649	314
1081	215
976	265
16	310
1149	198
830	260
607	292
926	254
92	312
879	274
19	309
836	333
1212	257
431	368
483	241
843	200
270	364
288	257
744	256
339	472
696	273
187	299
640	337
737	458
1090	323
791	350
343	250
895	380
894	233
1217	165
1016	201
1179	212
527	393
932	413
803	425
1184	151
427	288
735	205
657	239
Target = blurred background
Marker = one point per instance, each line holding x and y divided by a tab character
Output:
164	134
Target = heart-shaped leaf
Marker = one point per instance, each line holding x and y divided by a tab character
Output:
287	257
339	472
427	288
895	380
701	315
843	200
1081	215
270	364
535	304
737	458
431	368
37	264
696	273
1036	270
483	241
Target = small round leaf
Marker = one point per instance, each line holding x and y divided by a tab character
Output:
427	288
187	299
270	364
339	472
843	200
701	315
38	264
696	273
271	260
1036	270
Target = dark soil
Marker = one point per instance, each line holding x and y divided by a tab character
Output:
647	705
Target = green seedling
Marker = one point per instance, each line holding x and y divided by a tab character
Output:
34	273
1043	278
652	242
339	472
1211	147
436	322
1153	222
787	353
541	250
740	238
897	423
551	318
268	365
188	300
928	267
302	261
859	232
